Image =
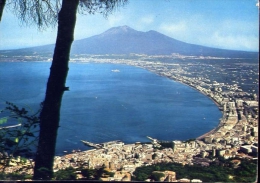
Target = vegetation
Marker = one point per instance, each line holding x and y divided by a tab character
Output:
95	174
246	172
20	140
223	171
88	174
220	171
157	176
66	174
14	176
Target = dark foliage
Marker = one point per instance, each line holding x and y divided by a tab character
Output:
14	176
246	172
221	172
157	176
19	140
95	174
66	174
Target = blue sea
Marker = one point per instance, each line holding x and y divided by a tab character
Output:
103	105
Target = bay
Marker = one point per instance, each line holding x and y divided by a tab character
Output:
103	105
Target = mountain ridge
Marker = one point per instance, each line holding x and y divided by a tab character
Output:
125	40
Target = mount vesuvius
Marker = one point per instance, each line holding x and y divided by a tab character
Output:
125	40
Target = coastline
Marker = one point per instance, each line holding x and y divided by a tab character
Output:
216	103
170	79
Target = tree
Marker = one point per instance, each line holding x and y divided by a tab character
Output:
157	176
2	5
50	114
44	13
18	139
65	174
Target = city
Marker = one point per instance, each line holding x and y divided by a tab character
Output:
231	83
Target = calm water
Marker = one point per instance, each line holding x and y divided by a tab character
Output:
103	105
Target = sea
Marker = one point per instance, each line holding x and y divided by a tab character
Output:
107	102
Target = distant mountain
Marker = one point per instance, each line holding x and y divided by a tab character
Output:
125	40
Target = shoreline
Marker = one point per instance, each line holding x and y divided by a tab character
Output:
196	138
216	103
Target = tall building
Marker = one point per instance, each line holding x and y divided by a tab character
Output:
231	105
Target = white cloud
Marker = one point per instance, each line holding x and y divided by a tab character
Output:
226	34
175	28
148	19
237	42
234	34
237	27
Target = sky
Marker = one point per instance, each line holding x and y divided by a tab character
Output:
227	24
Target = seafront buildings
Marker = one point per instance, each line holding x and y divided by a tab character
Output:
236	135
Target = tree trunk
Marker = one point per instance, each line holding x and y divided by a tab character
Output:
50	114
2	5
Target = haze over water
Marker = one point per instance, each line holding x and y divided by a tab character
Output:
103	105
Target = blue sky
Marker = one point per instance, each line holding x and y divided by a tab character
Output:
228	24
